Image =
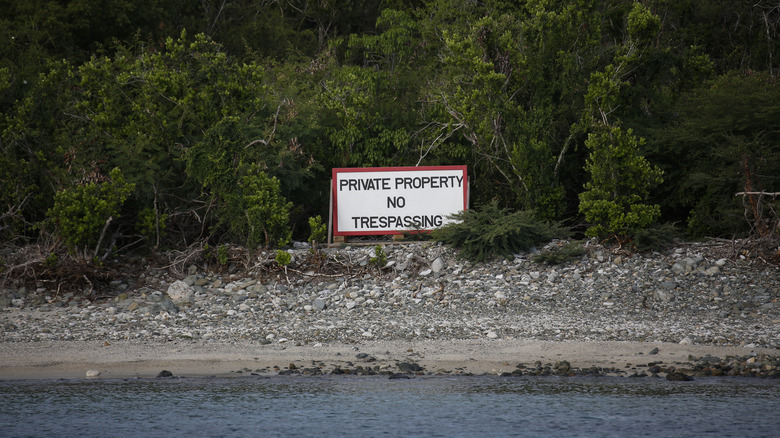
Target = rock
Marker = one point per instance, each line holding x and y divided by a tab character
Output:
437	265
396	376
492	335
712	270
677	376
164	373
319	304
180	292
190	280
93	373
664	295
409	367
167	305
562	367
653	351
425	273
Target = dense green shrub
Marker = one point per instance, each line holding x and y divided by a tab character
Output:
256	212
489	232
81	212
621	180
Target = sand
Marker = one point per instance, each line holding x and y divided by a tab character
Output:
126	359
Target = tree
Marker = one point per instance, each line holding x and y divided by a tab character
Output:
620	182
723	140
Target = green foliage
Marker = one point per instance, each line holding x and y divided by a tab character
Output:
283	258
290	89
560	254
51	261
621	181
256	212
722	141
490	232
151	223
643	24
222	255
318	231
81	212
380	257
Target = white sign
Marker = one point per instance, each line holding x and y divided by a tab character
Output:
389	200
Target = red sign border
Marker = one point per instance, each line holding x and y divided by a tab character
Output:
334	192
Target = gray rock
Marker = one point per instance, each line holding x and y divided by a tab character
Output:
180	292
664	295
319	304
168	305
190	280
437	265
677	376
409	367
669	285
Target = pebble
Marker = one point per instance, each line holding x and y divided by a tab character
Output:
427	292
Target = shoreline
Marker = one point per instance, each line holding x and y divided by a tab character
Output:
129	359
691	309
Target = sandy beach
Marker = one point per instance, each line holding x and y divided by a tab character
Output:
72	359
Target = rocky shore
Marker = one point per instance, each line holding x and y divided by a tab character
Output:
697	294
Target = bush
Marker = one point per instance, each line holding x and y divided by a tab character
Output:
621	181
256	212
380	257
80	213
319	231
490	232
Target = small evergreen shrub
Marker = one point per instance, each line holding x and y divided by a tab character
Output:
380	257
283	258
319	231
222	255
491	232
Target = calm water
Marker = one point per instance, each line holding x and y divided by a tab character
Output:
376	406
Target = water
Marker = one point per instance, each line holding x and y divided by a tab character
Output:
376	406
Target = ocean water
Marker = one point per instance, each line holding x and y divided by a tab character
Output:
369	406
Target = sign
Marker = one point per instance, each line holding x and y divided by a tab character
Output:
390	200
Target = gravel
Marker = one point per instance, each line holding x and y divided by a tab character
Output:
695	293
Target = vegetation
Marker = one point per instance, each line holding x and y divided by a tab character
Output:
380	257
488	232
155	124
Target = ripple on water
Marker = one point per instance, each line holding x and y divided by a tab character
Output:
376	406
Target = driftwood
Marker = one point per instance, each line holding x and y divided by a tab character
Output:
760	214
